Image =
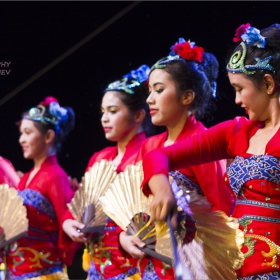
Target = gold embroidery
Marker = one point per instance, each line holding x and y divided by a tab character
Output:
38	256
245	224
249	243
127	262
274	250
104	252
165	267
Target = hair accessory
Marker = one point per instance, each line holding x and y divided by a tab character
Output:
236	63
181	51
250	35
58	114
131	80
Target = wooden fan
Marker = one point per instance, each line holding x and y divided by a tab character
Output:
13	216
85	206
128	207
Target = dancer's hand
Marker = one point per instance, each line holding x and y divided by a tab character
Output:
129	243
71	229
163	201
75	185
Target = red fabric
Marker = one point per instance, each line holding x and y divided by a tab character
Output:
213	144
52	183
108	243
8	173
230	139
208	176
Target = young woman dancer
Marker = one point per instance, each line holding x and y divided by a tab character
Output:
125	122
181	87
254	72
45	191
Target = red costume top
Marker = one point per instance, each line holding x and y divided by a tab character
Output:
255	179
208	176
8	173
109	260
45	197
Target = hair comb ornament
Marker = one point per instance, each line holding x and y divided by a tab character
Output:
252	37
131	80
183	50
38	113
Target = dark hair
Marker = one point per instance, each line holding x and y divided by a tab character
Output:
65	127
137	101
199	77
272	48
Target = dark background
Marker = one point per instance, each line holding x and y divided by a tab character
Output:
32	34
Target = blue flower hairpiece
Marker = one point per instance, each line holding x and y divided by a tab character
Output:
253	37
131	80
141	74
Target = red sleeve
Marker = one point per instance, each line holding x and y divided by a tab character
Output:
8	173
203	147
210	178
60	193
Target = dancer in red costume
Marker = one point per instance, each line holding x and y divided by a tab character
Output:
254	72
181	88
124	121
45	190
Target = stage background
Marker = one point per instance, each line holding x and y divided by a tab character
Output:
33	34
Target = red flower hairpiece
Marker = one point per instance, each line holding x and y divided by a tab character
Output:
48	100
187	52
240	31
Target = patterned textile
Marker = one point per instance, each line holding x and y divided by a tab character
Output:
150	273
37	200
259	167
93	274
268	276
48	271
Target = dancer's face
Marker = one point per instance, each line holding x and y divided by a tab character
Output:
32	141
166	109
254	100
117	120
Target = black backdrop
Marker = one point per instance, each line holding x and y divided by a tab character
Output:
34	33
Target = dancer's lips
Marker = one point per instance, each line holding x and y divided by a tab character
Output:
24	149
107	129
153	111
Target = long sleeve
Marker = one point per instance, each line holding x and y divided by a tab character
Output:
60	194
203	147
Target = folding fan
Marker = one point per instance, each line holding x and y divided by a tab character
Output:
13	216
85	206
215	250
128	207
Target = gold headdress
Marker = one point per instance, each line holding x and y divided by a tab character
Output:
237	63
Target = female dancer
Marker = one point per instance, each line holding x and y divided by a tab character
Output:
181	86
45	190
124	121
254	72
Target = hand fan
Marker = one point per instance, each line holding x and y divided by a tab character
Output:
13	216
128	207
215	250
85	206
